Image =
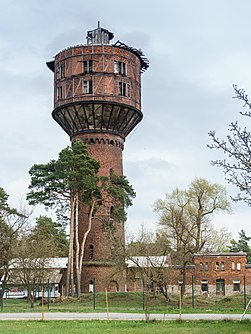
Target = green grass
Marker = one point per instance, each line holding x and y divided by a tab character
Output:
133	327
133	302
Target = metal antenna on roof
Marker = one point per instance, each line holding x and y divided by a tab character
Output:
98	24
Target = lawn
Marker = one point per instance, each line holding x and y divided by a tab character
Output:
133	302
133	327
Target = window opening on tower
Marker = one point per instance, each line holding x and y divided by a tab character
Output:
112	212
87	87
120	67
123	88
59	93
88	66
60	72
91	252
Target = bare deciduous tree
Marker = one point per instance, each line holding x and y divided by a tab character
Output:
148	255
185	215
29	267
237	149
12	223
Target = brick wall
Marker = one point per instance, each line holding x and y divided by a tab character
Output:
105	81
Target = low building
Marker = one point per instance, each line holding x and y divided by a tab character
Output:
47	273
210	274
221	274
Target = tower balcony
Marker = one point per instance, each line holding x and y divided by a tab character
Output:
97	116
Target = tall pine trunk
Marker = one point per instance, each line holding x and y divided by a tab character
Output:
70	275
78	282
80	249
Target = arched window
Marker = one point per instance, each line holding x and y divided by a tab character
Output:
112	212
91	252
91	286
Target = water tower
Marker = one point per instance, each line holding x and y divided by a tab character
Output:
97	97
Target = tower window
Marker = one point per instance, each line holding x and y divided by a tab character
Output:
87	87
120	68
238	266
222	266
60	72
123	88
112	212
217	266
91	286
91	252
59	93
88	66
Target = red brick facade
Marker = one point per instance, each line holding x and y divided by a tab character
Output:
209	275
220	274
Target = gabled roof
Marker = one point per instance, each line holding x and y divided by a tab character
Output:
147	261
50	263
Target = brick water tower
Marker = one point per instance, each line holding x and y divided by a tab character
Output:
97	97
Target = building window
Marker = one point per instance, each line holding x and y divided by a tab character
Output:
206	265
87	87
91	252
236	286
220	287
138	274
201	266
233	266
238	266
88	66
120	68
222	266
204	286
59	93
217	266
123	88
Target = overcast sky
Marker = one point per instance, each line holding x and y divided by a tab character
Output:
197	50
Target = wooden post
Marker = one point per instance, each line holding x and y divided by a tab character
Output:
48	294
106	299
192	291
94	293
